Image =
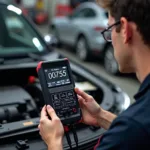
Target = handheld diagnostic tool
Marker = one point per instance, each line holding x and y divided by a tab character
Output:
58	89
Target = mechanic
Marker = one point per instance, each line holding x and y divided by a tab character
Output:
129	27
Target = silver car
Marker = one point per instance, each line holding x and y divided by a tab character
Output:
82	30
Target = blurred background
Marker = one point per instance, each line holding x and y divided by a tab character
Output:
76	26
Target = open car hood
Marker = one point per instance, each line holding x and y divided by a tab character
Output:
21	101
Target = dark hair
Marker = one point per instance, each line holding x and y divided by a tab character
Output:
137	11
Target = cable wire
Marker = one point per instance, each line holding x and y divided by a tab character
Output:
71	128
68	137
75	136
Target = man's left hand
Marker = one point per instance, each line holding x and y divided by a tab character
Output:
52	131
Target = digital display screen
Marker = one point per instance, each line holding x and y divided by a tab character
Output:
57	76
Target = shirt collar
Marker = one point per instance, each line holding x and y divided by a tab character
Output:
143	88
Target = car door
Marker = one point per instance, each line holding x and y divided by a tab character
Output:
70	26
80	22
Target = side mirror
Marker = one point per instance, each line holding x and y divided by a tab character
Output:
51	40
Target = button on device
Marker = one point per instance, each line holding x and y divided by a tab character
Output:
55	97
70	94
67	105
63	104
57	104
56	101
72	104
67	99
62	95
74	110
66	109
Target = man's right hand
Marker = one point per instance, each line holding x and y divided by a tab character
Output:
90	108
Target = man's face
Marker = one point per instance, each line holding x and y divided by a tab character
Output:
122	51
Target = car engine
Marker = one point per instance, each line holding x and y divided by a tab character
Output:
16	104
19	102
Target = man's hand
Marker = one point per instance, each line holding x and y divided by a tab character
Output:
52	131
90	108
92	113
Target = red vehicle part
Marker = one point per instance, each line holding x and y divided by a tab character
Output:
63	10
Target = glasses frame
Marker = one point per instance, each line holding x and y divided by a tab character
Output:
109	29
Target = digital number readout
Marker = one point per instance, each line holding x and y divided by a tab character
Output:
57	76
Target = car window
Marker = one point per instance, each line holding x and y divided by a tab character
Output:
85	13
18	33
89	13
78	14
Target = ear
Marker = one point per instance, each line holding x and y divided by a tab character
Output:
126	30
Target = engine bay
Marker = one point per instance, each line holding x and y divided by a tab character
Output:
16	104
21	97
21	100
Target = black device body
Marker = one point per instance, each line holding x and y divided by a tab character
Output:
58	89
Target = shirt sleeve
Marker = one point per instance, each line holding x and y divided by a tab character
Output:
124	134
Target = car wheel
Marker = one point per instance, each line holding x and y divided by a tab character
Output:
110	62
82	49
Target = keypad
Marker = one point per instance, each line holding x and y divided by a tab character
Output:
64	103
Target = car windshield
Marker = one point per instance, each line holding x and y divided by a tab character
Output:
17	36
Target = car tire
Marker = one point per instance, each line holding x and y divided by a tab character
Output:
110	62
82	49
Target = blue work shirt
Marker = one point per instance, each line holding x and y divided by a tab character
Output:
131	129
